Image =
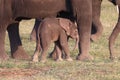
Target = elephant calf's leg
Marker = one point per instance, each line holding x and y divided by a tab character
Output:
53	54
67	52
43	55
36	53
58	52
17	50
45	43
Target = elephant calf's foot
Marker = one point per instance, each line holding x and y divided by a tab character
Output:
35	59
84	57
20	54
43	61
53	55
69	59
4	56
59	59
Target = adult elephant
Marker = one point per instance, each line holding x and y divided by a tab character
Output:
16	10
115	31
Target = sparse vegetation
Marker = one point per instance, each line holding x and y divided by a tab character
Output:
101	68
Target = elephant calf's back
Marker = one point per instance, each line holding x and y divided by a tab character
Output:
50	28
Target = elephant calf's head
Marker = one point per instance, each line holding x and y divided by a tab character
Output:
70	28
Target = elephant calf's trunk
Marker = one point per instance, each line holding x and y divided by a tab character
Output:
76	44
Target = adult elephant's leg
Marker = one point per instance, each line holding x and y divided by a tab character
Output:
3	54
97	27
112	38
33	35
83	9
17	50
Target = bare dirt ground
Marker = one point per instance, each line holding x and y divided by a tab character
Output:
8	73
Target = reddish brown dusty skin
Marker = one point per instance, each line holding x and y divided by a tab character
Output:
20	54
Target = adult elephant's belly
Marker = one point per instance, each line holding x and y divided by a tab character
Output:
38	8
42	14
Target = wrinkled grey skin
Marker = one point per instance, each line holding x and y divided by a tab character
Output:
56	30
115	31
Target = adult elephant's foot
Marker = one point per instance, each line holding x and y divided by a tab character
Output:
83	57
94	37
3	56
20	54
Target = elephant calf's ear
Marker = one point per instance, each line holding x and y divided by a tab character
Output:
65	24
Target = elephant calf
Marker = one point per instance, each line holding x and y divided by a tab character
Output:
56	30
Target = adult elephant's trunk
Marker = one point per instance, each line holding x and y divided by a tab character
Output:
76	44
